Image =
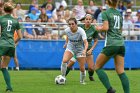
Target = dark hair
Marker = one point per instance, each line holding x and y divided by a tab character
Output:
8	7
113	3
72	19
27	17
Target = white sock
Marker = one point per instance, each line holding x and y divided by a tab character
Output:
82	76
63	69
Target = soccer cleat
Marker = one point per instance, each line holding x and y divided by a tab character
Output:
83	82
8	90
111	90
17	68
91	78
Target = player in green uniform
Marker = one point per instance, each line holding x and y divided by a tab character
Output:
114	47
91	34
8	25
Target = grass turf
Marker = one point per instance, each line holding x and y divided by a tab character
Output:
43	82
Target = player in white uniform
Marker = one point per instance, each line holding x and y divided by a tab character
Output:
76	44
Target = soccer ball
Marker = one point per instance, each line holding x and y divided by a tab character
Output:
60	80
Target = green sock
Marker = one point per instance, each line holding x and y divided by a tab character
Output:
103	78
90	73
68	70
125	82
6	78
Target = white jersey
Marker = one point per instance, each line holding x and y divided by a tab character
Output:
75	40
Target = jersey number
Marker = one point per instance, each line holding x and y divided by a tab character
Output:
9	26
117	22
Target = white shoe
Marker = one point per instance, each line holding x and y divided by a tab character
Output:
17	68
7	68
83	82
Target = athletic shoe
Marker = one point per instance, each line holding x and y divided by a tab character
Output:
111	90
17	68
83	82
9	90
91	78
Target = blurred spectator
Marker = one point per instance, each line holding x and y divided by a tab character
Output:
49	11
43	16
137	24
21	25
99	18
130	16
73	13
138	14
128	26
59	17
92	7
40	30
129	4
127	23
97	12
18	12
79	10
33	4
61	8
121	7
67	14
33	15
106	5
52	31
29	31
99	21
48	2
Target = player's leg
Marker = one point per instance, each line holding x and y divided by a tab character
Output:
16	61
66	57
4	63
82	61
70	64
119	64
90	62
101	60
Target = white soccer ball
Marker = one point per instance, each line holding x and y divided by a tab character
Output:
61	80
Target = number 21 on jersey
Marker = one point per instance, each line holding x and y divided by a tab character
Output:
9	26
117	22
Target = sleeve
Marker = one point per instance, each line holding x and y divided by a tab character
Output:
83	34
95	35
104	16
18	26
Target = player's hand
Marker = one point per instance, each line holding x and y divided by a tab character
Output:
89	52
84	53
98	28
65	45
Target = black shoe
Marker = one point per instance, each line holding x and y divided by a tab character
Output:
91	78
9	90
111	90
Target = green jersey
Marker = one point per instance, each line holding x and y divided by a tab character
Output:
8	26
91	33
113	35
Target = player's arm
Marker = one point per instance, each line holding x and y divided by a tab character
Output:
66	42
95	43
0	31
84	37
105	25
19	36
86	45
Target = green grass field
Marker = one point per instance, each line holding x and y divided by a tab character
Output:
43	82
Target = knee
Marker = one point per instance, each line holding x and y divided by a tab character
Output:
65	60
90	69
82	69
